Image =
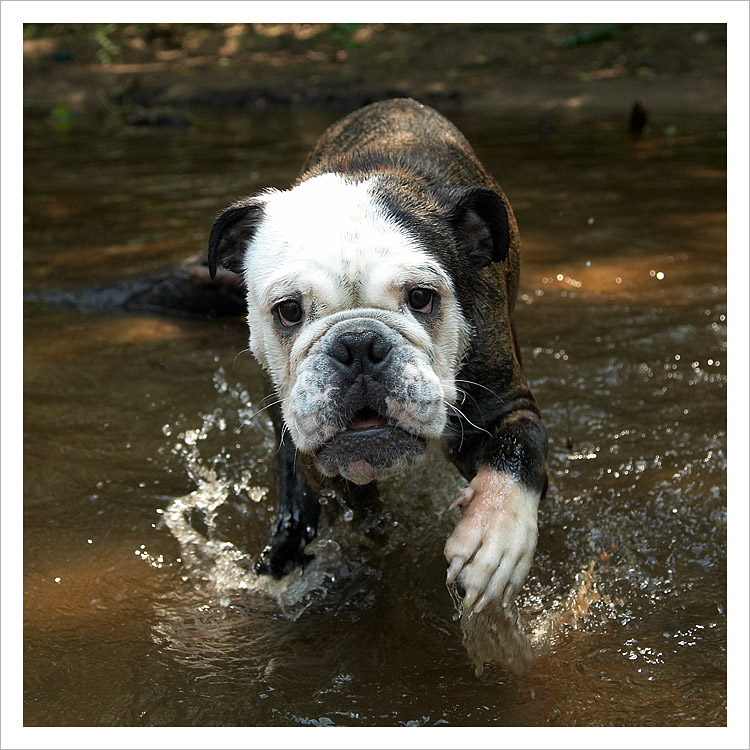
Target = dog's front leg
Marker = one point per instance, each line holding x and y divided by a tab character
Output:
296	518
490	551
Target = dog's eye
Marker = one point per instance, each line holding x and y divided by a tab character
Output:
289	312
421	300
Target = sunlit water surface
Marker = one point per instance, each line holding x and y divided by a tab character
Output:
148	461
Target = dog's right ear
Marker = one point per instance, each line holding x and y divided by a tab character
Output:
231	233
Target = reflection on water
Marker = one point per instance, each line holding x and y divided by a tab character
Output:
149	460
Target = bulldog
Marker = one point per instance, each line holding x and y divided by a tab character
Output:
380	290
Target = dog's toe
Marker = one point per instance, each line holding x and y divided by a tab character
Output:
489	552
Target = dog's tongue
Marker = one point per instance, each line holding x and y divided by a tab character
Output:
366	418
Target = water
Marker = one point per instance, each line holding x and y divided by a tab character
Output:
148	461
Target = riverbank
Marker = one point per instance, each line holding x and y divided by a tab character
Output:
537	68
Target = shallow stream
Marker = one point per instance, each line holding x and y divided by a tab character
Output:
148	461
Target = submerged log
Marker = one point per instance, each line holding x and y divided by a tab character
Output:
185	289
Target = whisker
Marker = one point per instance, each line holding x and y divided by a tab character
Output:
284	430
243	351
464	393
479	385
461	415
461	442
259	411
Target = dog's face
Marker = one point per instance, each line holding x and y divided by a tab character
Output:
355	320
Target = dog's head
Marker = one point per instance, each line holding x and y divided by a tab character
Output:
354	309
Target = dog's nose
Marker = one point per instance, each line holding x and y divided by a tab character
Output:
361	351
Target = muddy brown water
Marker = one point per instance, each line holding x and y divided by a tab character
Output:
148	471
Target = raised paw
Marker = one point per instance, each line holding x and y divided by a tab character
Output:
489	552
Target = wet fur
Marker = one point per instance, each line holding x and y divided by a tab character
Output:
392	196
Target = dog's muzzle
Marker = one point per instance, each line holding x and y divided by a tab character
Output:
369	444
366	401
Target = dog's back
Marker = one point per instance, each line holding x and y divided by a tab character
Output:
409	132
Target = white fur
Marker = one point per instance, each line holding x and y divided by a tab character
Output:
416	401
328	243
491	548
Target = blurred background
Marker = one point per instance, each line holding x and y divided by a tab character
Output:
134	69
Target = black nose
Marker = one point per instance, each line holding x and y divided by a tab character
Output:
361	351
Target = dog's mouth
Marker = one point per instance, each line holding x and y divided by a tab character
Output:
366	419
369	447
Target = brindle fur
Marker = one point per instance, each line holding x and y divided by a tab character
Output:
431	181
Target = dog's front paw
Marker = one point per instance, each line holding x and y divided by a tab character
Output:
285	549
489	552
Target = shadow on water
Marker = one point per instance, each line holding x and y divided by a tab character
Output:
148	459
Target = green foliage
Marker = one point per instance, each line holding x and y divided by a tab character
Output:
108	50
62	117
601	32
342	35
31	31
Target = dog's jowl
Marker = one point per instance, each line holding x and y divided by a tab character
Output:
380	290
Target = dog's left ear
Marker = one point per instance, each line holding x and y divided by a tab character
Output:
480	222
231	233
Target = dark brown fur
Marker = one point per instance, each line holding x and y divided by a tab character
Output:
432	183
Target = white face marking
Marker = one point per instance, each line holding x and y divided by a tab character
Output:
328	244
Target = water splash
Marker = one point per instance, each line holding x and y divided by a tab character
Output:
226	476
206	555
513	636
608	530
